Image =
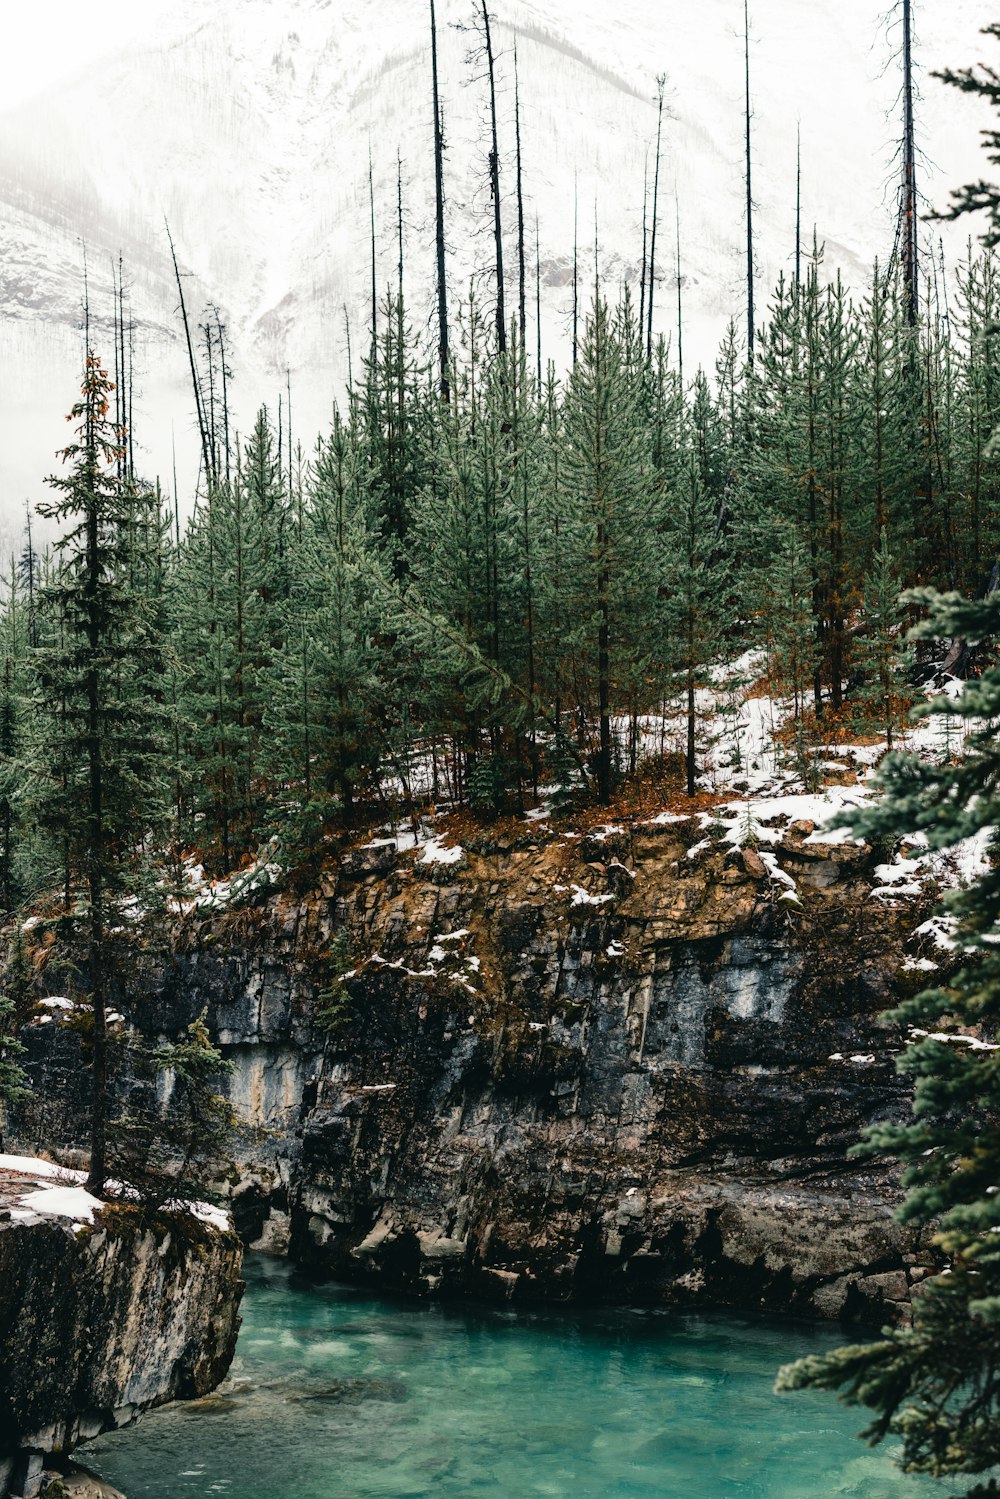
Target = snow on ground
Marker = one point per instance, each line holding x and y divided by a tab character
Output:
435	852
203	894
444	960
29	1165
58	1192
954	1038
916	865
583	897
753	819
62	1202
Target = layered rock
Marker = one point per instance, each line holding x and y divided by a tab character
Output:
101	1322
622	1065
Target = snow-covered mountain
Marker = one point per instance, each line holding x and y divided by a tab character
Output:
248	124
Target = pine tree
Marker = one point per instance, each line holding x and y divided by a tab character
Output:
612	524
15	628
233	582
881	654
789	635
326	677
97	774
172	1148
934	1383
981	196
697	593
978	329
15	1001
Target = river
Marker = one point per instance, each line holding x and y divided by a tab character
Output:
338	1394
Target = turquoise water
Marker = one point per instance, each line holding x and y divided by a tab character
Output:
335	1394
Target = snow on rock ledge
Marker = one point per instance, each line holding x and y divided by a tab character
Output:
101	1318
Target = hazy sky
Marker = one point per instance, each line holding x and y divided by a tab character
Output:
49	39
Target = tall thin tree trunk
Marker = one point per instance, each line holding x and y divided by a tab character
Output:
288	400
225	388
374	257
798	204
177	503
604	677
494	167
521	292
538	306
691	725
119	392
645	247
399	226
95	839
205	453
680	296
210	367
660	82
576	278
131	392
908	205
444	377
749	181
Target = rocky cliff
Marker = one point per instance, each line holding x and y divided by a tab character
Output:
622	1063
102	1320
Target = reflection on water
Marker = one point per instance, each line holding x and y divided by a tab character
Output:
337	1395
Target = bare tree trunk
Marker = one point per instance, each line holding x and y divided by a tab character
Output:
576	282
908	204
494	167
661	80
645	246
538	306
798	205
374	264
205	454
220	330
444	379
749	185
522	314
680	296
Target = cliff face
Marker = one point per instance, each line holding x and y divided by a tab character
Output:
100	1323
610	1065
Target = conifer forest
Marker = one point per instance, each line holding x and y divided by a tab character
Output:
494	852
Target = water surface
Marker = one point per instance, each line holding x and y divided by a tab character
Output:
336	1394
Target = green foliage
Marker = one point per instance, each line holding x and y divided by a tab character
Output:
934	1383
491	783
333	999
882	655
563	770
172	1143
13	1078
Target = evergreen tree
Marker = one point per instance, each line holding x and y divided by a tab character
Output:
326	675
934	1383
14	689
97	772
696	588
15	1001
612	523
981	196
881	653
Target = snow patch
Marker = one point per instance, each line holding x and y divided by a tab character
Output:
436	853
583	897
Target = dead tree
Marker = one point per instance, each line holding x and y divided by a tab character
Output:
494	172
661	80
749	182
444	378
908	196
206	458
522	315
